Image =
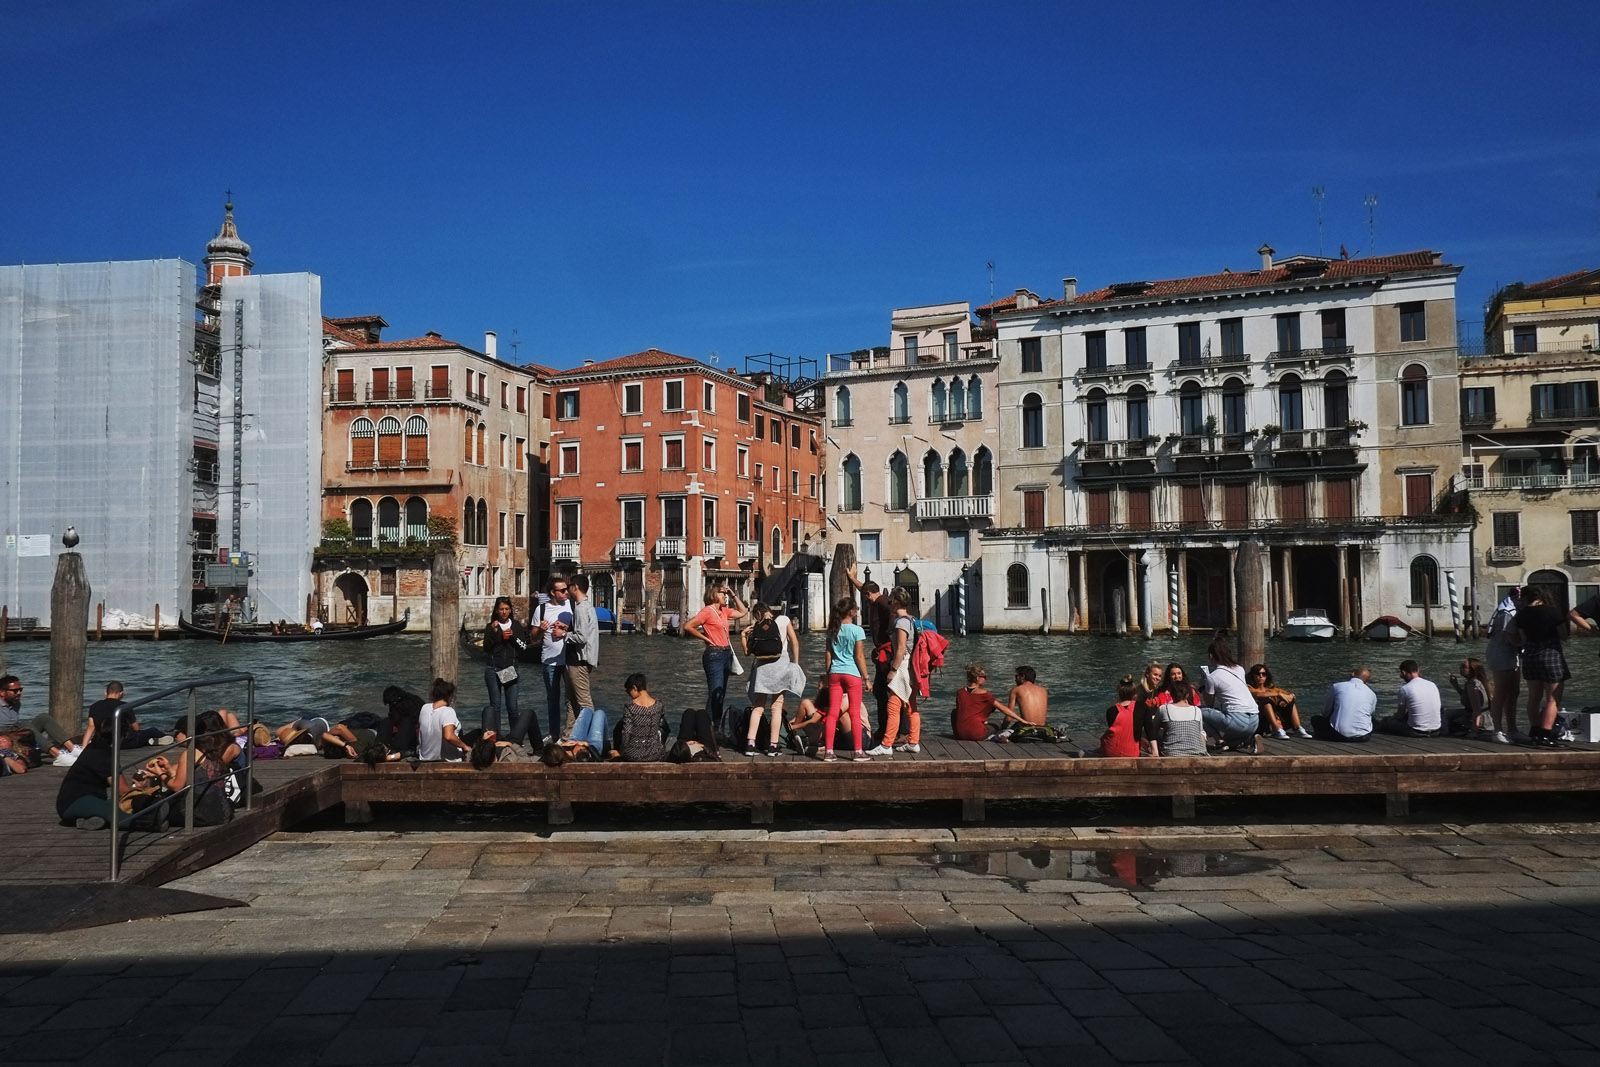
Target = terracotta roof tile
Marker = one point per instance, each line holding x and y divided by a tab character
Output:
331	328
1005	303
431	340
1577	278
649	359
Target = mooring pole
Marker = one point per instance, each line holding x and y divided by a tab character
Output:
1248	587
69	638
445	614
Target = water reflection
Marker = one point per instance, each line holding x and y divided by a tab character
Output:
1122	867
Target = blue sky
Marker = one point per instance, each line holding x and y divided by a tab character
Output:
739	178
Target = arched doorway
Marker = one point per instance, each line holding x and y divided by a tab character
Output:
1555	582
350	599
907	579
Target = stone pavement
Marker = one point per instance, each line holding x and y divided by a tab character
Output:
1327	945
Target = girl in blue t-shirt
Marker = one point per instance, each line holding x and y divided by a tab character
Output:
847	666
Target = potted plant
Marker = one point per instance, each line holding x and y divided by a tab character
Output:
1271	429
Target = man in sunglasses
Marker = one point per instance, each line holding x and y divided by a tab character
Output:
43	726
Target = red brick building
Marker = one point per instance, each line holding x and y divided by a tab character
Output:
667	473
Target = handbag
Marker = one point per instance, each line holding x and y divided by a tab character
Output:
507	675
735	668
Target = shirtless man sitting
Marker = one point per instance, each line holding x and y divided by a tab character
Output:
1029	700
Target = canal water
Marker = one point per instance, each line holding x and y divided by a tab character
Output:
340	678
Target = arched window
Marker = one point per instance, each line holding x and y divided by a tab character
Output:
1191	410
936	401
841	406
899	482
363	444
1414	395
957	478
1291	415
1138	413
1032	421
1335	400
1554	584
958	399
932	475
901	410
390	453
777	543
982	473
483	455
483	521
1424	580
974	397
416	441
389	520
416	519
850	469
469	523
1234	418
361	521
1016	586
1096	423
471	439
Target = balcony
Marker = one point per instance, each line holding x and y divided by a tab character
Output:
344	395
352	466
1583	553
1236	361
1308	439
565	550
1117	370
949	418
1334	351
883	358
391	394
1541	416
1137	448
1567	480
714	547
1477	420
628	548
1507	554
671	547
436	391
748	550
477	398
844	422
1475	353
899	420
956	507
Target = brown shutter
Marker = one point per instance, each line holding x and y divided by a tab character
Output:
1292	501
361	448
1099	501
1419	494
403	389
440	386
1033	509
1338	493
1192	503
344	387
389	449
1236	505
1139	509
416	444
380	383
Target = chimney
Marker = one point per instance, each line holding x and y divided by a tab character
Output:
588	363
1266	256
433	335
1025	299
490	344
1069	288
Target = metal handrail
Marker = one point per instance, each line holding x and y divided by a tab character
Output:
188	746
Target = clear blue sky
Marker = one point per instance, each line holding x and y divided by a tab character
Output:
741	178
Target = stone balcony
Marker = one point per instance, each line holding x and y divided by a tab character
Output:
671	547
749	550
568	550
628	548
714	547
955	507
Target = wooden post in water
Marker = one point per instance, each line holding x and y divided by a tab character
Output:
446	613
157	635
100	621
844	558
69	639
1248	587
1427	607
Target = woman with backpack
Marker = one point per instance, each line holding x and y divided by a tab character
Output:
774	646
903	689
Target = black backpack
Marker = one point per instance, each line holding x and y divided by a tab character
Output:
766	641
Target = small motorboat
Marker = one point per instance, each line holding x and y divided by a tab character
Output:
1309	624
608	621
1386	628
268	633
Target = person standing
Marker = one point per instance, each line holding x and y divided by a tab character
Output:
1544	665
551	621
903	687
771	642
1500	657
582	650
711	627
847	668
503	638
877	618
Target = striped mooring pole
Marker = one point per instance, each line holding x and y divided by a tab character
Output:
961	604
1172	598
1455	603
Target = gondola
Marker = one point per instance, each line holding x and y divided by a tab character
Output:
261	633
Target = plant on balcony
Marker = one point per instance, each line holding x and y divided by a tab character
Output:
336	530
1355	426
1078	443
442	529
1271	430
1150	439
1211	426
1171	437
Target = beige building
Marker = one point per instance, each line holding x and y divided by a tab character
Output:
1147	428
912	446
1530	420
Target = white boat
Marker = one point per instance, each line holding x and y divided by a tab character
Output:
1386	628
1308	624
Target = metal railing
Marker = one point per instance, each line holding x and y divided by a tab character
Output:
1476	350
1507	554
1335	350
921	356
1587	413
1237	359
944	418
955	507
392	392
1567	480
1114	370
114	789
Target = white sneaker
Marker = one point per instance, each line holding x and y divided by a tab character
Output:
1302	731
1499	738
908	747
1281	734
881	750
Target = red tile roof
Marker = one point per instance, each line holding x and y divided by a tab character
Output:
1250	279
331	328
1577	278
355	320
1005	303
431	340
649	359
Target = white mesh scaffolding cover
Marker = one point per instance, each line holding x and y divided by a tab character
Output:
281	441
97	391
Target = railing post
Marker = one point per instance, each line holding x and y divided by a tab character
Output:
189	768
249	740
114	791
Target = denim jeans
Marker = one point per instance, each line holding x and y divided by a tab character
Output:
717	662
591	727
502	701
1234	727
553	675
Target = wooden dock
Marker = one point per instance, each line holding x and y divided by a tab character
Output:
1389	770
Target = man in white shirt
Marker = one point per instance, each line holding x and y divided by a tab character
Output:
1420	704
552	620
439	727
1347	714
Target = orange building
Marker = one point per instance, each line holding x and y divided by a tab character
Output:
668	473
425	439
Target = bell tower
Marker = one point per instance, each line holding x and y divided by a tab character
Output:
226	255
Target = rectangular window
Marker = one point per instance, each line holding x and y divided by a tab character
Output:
1419	494
633	520
794	482
794	532
516	582
505	451
1414	397
911	351
709	399
742	461
1133	347
759	470
1334	340
1139	509
505	395
569	458
708	454
761	426
544	406
504	520
522	453
1097	505
777	432
867	547
380	383
794	435
522	401
672	395
708	517
672	452
1032	355
1192	505
672	517
1288	331
1586	527
1338	495
1189	351
1524	339
386	587
1094	350
951	341
1236	506
567	520
438	382
483	388
1232	336
1413	322
777	479
958	544
403	388
744	522
567	404
519	531
1477	404
1508	529
1292	501
1033	509
1565	400
742	407
1233	412
633	453
632	398
813	492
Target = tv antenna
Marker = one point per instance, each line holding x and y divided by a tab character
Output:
1319	196
1372	223
516	343
991	281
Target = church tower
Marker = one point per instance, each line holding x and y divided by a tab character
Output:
226	255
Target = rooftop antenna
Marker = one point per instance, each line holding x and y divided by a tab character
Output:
1318	195
991	281
714	359
515	344
1372	223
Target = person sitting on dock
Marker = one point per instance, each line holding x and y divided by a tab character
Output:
1347	714
974	705
806	728
1277	706
305	731
102	713
1230	712
1028	703
1474	717
1420	706
11	760
642	734
1181	729
43	725
437	733
1118	740
1148	696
